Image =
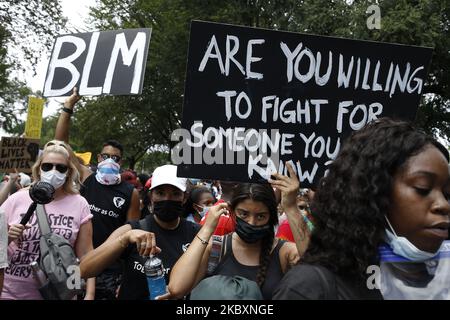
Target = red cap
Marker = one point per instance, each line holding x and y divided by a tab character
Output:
148	184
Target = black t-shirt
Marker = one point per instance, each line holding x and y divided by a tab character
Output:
173	244
312	282
109	206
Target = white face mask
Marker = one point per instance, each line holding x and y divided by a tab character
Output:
403	247
54	177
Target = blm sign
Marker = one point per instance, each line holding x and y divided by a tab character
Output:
256	99
18	153
106	62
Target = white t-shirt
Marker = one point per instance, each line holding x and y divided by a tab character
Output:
3	241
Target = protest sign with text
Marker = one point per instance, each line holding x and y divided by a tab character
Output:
18	153
105	62
256	99
33	125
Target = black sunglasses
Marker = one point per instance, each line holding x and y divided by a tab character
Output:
105	156
49	166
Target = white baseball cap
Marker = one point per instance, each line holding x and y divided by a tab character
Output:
167	174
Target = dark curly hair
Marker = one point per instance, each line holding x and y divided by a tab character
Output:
352	200
265	194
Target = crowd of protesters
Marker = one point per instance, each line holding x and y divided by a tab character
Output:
389	187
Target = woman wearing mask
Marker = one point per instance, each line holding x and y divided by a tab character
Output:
134	241
390	184
251	251
68	216
198	203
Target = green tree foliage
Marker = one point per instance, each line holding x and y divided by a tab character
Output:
13	93
27	28
151	160
421	23
32	25
124	119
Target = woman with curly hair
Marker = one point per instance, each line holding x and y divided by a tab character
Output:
252	251
390	183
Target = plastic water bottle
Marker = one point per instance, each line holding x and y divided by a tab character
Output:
154	271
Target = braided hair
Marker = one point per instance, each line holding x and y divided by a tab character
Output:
261	193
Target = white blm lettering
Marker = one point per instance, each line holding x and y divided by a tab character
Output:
135	52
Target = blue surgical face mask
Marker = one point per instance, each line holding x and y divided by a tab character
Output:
204	210
403	247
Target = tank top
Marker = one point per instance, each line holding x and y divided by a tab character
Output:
229	266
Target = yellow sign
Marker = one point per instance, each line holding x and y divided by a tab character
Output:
34	118
86	157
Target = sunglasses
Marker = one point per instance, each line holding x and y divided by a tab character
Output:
105	156
49	166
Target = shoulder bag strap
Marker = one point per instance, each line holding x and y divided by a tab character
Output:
44	226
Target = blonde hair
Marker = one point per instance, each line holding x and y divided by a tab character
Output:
72	184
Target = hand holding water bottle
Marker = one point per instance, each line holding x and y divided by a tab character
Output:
154	270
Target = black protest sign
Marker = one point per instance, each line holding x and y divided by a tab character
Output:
18	153
256	99
106	62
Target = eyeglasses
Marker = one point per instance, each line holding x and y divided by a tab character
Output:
105	156
49	166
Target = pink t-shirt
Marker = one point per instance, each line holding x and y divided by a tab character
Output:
65	216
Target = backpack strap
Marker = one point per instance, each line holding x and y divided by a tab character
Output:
43	220
215	254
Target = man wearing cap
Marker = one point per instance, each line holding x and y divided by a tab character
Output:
165	227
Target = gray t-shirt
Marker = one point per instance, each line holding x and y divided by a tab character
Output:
3	241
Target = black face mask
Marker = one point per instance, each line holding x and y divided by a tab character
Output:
168	210
250	233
